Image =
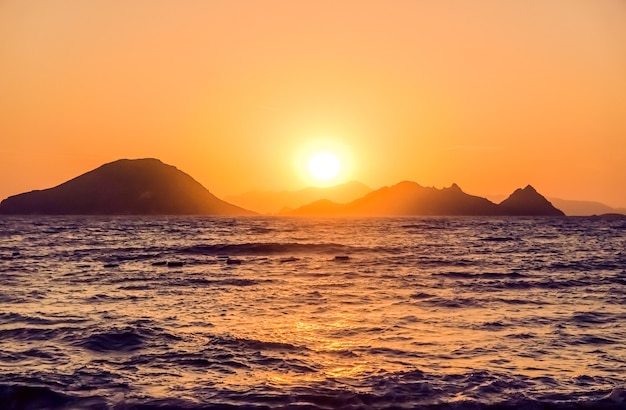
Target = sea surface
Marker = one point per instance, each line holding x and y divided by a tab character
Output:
275	313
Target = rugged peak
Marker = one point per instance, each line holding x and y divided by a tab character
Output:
454	188
528	201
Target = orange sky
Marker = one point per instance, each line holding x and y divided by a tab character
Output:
492	95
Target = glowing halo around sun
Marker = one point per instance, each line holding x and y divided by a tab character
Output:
324	163
324	166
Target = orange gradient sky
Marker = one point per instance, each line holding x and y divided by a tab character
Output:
492	95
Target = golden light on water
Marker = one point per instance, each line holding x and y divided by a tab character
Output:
319	337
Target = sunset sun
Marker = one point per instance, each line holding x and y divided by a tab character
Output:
324	162
324	166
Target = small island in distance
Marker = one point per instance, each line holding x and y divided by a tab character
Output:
150	187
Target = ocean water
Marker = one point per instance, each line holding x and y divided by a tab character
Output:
271	313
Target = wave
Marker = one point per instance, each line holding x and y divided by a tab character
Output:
477	391
237	282
18	318
25	397
588	339
37	320
36	333
499	239
329	399
474	390
516	301
485	275
271	248
121	341
422	295
593	318
11	299
453	303
519	282
103	298
252	344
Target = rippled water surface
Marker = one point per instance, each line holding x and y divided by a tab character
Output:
445	313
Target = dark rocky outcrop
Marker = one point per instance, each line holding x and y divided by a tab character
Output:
528	202
124	187
410	198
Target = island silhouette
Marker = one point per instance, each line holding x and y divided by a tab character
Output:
150	187
409	198
124	187
585	208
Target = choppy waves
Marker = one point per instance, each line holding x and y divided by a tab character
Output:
412	390
265	313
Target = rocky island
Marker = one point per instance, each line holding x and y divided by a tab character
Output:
409	198
124	187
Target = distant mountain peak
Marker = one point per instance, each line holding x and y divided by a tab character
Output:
406	185
143	186
277	202
454	187
528	201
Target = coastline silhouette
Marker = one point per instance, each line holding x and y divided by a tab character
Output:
411	199
150	187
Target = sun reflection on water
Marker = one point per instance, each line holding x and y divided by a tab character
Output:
416	300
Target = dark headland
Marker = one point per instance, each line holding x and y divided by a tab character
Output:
409	198
124	187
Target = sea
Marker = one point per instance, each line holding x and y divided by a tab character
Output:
447	313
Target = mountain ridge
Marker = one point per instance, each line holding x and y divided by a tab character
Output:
409	198
147	186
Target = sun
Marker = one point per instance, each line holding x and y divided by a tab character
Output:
324	162
324	166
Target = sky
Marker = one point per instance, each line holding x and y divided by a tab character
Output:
491	95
